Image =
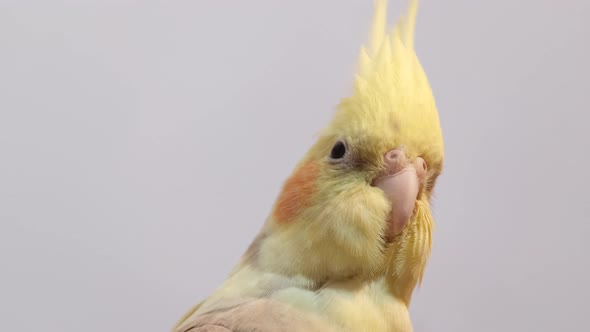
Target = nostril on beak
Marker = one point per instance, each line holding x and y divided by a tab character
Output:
423	165
421	168
392	155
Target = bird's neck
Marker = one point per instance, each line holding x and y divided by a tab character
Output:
358	304
351	302
355	304
406	260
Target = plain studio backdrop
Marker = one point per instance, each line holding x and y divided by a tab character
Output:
142	144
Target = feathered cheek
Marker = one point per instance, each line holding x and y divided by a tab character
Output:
362	212
297	192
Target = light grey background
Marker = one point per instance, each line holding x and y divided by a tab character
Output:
143	142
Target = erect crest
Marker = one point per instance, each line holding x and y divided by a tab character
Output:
392	100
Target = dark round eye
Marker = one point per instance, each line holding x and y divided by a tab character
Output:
338	151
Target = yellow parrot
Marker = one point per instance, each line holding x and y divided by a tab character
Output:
349	235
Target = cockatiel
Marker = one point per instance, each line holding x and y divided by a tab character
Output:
349	236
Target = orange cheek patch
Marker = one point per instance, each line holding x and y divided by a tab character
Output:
297	192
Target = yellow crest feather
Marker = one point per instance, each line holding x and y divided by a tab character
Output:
392	100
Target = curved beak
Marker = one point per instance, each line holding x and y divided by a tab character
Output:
401	184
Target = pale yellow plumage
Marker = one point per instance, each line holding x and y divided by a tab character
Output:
321	252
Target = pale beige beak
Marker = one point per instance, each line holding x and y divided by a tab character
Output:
401	185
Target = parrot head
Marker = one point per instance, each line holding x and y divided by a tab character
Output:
357	204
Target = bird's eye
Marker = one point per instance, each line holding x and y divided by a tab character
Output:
338	151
